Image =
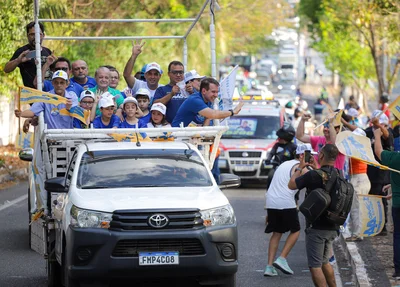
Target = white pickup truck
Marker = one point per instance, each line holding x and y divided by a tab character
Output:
103	210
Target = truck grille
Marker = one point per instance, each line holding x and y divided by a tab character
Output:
131	248
240	153
139	219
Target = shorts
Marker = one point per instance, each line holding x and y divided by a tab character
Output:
319	246
282	220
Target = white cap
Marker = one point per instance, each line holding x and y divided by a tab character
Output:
143	91
301	148
87	93
192	75
153	66
359	132
60	74
352	112
106	95
130	100
383	119
106	102
159	107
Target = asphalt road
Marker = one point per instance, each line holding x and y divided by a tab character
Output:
22	267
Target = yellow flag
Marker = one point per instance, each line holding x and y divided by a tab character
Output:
372	215
395	107
165	137
29	96
338	116
130	137
78	113
24	140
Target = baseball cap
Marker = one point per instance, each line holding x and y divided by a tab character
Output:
191	75
106	102
153	66
130	100
352	112
301	148
143	91
87	93
383	119
60	74
107	95
159	107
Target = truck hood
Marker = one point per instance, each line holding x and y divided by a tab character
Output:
247	143
109	200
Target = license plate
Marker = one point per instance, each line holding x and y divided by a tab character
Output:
158	258
244	168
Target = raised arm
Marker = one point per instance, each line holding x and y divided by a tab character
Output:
49	61
300	135
378	149
136	50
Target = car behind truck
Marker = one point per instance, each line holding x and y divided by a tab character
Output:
135	210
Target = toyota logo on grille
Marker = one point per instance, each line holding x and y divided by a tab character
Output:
245	154
158	220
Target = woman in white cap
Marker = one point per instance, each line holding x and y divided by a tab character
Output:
130	108
158	120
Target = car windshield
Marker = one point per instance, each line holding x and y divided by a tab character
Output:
142	168
252	127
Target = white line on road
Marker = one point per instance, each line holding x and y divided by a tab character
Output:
8	204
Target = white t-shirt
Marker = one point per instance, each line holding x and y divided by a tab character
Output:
150	125
279	196
142	84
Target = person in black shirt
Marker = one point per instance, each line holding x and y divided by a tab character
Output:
321	233
27	66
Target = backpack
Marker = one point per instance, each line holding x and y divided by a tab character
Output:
341	193
333	201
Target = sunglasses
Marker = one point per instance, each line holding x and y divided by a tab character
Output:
64	69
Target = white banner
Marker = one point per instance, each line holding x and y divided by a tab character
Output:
227	85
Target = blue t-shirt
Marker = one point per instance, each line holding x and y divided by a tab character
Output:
145	119
72	88
91	83
52	116
190	109
79	125
173	105
126	125
114	122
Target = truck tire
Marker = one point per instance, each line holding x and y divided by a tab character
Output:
54	276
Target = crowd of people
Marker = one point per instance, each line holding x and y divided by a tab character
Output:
187	98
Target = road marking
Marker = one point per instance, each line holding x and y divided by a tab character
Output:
8	204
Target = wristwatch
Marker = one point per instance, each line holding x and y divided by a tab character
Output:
232	113
298	169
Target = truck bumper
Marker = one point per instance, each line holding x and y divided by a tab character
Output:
90	254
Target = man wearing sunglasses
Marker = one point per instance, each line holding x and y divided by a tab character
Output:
23	57
170	95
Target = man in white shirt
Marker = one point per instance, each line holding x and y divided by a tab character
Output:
283	214
152	73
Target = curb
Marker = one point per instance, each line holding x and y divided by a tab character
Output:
23	172
357	264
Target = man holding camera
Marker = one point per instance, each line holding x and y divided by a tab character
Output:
321	233
24	57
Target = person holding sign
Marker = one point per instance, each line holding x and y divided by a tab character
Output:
392	160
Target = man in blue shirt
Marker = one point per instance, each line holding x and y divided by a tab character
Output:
170	95
80	71
54	115
201	103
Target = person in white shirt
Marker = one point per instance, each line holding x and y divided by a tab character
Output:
282	213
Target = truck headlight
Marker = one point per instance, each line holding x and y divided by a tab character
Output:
88	218
223	215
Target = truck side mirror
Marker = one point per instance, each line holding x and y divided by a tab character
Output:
26	154
228	180
55	184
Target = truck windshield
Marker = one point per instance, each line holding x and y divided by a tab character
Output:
252	127
144	168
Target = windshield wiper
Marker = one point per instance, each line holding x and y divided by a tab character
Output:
96	186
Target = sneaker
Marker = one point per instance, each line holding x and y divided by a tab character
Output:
270	271
332	260
281	264
396	276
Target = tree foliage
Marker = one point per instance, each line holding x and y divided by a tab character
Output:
240	26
